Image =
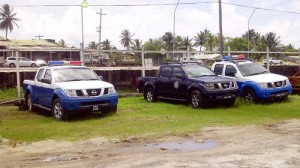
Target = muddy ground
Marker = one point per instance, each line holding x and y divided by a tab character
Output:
265	146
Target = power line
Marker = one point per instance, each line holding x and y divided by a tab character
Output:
162	4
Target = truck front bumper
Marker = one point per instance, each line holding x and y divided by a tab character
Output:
221	95
90	103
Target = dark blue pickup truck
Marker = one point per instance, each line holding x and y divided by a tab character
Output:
195	84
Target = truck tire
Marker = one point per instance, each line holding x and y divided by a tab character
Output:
29	105
281	62
196	99
249	95
149	95
271	63
12	65
33	65
57	111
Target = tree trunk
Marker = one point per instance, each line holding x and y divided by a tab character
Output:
6	33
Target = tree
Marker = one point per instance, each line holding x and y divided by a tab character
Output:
106	45
93	45
154	44
187	42
126	40
200	39
137	44
168	40
8	19
62	43
237	44
271	41
254	39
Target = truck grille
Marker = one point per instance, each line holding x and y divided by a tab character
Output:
92	92
227	85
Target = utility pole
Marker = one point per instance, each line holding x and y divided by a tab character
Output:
100	27
39	36
220	30
174	29
249	32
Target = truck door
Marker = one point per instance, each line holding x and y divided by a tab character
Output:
46	90
179	83
164	83
37	87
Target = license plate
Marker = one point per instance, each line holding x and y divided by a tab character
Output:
95	108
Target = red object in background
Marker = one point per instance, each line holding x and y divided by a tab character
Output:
241	56
75	62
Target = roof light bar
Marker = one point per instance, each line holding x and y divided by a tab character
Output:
60	63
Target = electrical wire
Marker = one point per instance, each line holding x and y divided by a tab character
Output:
165	4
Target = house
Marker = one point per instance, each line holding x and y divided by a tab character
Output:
37	49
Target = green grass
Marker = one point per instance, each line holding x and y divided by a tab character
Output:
136	117
10	94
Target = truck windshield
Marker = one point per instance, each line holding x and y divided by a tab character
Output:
251	69
197	71
74	74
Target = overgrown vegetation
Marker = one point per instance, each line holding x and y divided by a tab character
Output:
9	94
136	117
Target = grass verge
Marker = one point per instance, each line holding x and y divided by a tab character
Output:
136	117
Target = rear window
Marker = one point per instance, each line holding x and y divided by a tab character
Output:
11	58
218	69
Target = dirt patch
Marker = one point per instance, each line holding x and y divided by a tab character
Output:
276	145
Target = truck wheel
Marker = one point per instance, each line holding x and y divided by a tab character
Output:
196	99
249	95
271	63
149	95
33	65
29	104
57	111
281	62
12	65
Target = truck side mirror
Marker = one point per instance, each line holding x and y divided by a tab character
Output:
44	80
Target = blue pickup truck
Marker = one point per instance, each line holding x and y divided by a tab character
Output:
192	83
68	89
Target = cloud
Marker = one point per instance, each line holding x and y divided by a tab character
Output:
151	21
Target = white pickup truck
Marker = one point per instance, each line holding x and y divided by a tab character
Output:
272	61
65	90
255	82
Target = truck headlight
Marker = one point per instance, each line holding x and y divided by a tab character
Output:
111	90
70	92
210	86
263	85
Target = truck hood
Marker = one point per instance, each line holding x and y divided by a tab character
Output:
212	79
265	78
81	85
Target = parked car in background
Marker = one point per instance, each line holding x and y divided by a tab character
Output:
23	62
272	61
295	81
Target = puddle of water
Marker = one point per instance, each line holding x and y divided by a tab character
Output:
190	145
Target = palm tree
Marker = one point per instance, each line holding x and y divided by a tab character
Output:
126	40
106	45
200	39
92	45
8	19
168	40
137	44
62	43
271	41
187	42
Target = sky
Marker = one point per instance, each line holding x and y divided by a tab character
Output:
62	20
